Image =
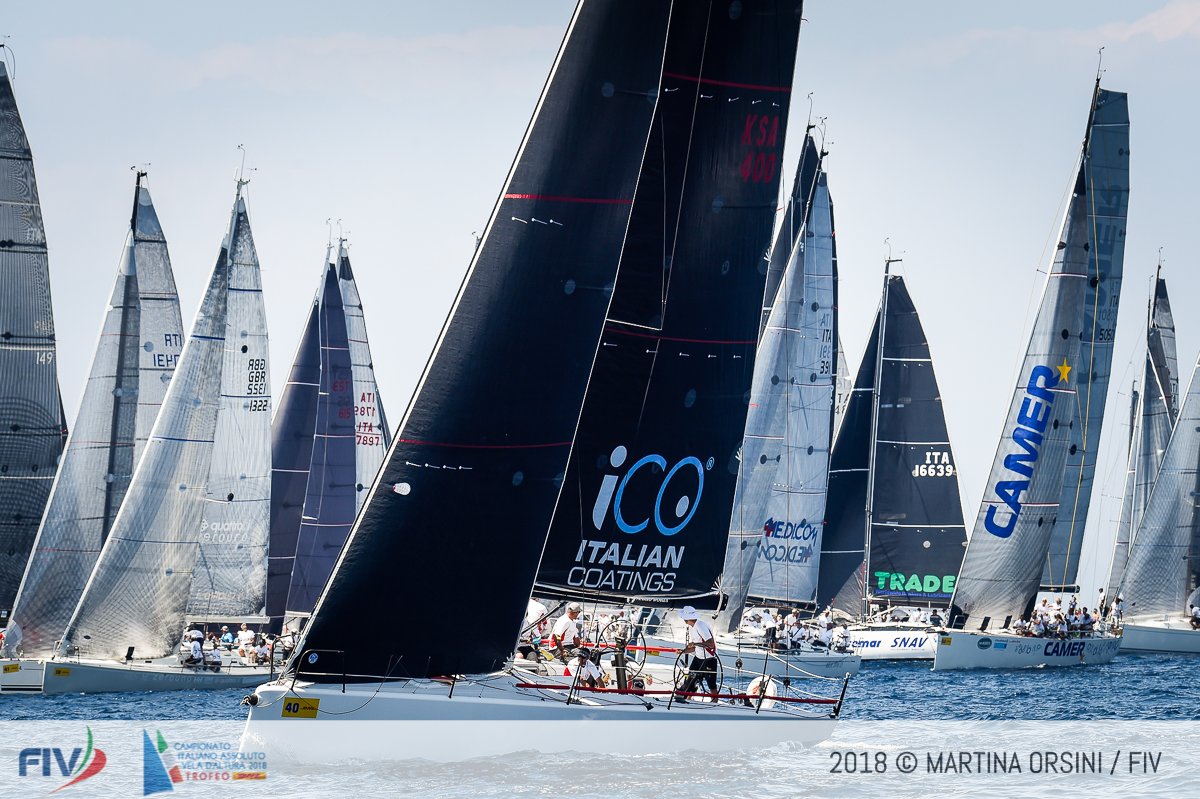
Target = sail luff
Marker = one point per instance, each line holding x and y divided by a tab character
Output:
31	419
794	216
135	356
1120	553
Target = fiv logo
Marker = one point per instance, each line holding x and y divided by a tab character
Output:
639	478
82	763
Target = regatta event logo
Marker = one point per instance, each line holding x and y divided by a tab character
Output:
1028	434
83	763
160	769
647	469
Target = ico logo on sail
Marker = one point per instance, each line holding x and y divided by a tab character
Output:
1028	434
647	493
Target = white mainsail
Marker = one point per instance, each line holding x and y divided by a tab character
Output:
775	532
137	595
1160	576
138	348
370	431
1153	421
231	570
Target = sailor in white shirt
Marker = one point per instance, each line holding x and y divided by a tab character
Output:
245	641
825	637
1195	617
586	672
1118	609
703	650
195	653
214	658
533	628
770	630
564	638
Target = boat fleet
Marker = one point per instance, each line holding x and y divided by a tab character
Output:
641	385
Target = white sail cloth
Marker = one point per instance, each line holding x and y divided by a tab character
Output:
371	432
778	515
138	348
138	593
1160	573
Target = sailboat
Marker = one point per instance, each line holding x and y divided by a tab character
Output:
32	422
894	534
328	440
774	542
1160	579
192	531
475	470
1152	418
1023	502
138	348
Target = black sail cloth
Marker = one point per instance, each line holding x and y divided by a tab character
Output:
917	534
464	499
644	513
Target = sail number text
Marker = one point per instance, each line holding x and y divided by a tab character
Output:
937	464
256	377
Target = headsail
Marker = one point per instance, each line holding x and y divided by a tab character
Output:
1106	175
1021	508
138	593
31	419
1153	423
894	478
470	481
648	496
794	215
140	341
1163	571
774	543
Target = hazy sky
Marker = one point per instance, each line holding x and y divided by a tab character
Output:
953	129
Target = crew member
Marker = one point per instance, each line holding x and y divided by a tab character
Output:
195	653
587	673
1195	611
704	659
564	638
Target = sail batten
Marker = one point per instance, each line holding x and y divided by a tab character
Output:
138	347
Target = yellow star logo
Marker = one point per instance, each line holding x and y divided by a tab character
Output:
1064	371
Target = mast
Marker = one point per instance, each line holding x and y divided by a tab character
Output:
870	507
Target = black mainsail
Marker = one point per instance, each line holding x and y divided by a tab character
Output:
645	510
32	424
893	480
469	484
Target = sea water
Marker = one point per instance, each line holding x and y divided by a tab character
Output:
1128	728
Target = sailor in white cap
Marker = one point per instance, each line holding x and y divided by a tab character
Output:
564	638
704	659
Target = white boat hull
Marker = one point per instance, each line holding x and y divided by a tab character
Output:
419	719
21	676
894	644
97	677
1169	636
958	649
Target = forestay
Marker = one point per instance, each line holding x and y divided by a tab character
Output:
139	345
1006	554
32	427
1164	556
794	216
137	595
648	496
779	512
466	493
1106	175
